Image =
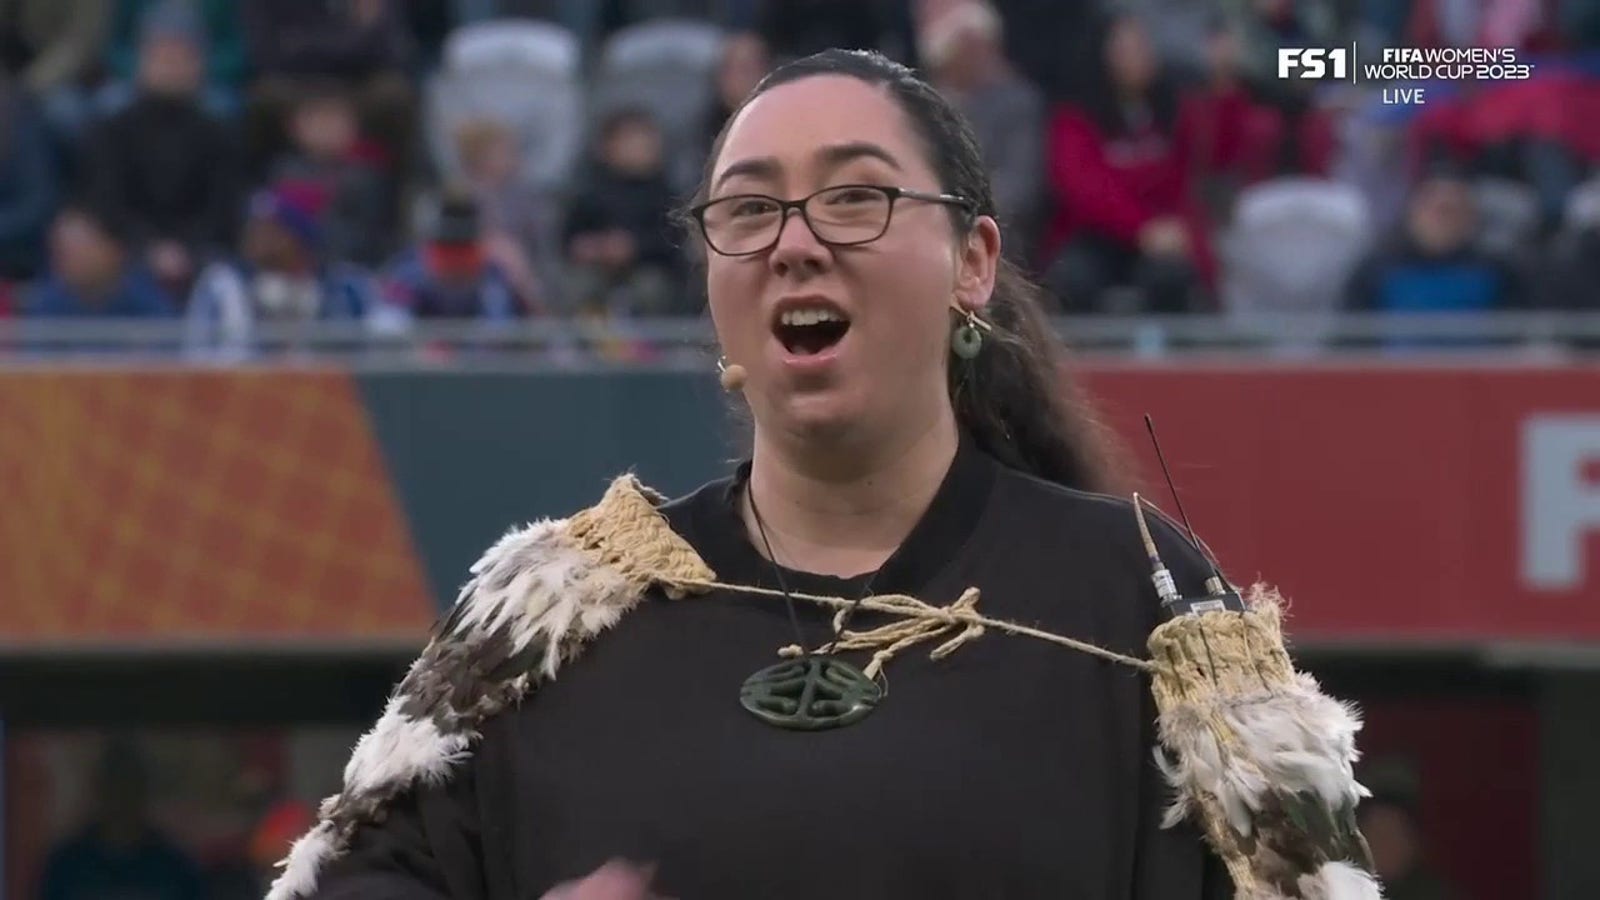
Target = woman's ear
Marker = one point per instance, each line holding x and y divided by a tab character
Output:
979	264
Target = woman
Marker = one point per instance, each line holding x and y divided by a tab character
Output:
1119	165
744	62
899	447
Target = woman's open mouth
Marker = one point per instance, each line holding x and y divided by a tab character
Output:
808	331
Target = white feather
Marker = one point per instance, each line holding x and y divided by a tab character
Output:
1298	739
1340	881
551	590
309	854
1291	739
401	750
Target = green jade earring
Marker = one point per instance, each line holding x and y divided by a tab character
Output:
967	338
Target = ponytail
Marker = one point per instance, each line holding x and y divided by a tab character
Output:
1019	402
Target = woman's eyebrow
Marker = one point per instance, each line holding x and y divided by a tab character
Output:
755	167
832	156
835	155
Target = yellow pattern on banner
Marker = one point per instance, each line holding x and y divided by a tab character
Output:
180	505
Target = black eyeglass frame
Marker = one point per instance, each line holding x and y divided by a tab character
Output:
784	206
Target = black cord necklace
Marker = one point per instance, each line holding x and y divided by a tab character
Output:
816	691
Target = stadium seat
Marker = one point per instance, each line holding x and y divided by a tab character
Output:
1292	246
1509	215
524	74
663	43
515	44
1583	207
665	66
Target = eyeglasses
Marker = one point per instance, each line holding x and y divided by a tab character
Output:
841	216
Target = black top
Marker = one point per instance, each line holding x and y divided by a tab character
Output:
1013	768
165	169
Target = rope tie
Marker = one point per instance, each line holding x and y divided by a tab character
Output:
920	622
627	531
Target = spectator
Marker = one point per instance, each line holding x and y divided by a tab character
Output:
93	273
216	26
27	183
1118	167
120	853
744	63
360	44
450	275
164	166
53	46
1178	30
1236	138
1307	142
1049	41
1434	264
619	244
1267	25
355	197
281	277
962	49
1491	131
519	222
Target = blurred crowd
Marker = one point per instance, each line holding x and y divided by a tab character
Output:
142	830
217	829
233	163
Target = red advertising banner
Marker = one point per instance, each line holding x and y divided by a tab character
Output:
1389	503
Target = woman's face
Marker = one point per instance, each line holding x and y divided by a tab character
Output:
744	62
894	293
1222	52
82	253
1129	56
1443	217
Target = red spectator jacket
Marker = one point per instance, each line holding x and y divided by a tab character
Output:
1112	187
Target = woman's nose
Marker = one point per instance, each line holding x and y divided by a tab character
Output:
797	248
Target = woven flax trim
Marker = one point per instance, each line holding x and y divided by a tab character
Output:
1220	653
627	533
1204	661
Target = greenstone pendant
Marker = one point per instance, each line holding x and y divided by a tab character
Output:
965	342
810	694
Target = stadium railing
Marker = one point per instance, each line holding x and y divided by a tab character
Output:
690	341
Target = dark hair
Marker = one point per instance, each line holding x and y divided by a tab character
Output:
455	217
1015	397
98	215
1099	98
617	120
318	93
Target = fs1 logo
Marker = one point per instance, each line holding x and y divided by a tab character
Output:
1313	62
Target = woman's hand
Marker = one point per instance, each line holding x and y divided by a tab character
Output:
616	880
1164	237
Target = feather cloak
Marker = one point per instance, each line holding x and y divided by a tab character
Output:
1255	752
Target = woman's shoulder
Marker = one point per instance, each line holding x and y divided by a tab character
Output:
1043	497
688	513
1097	528
705	492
